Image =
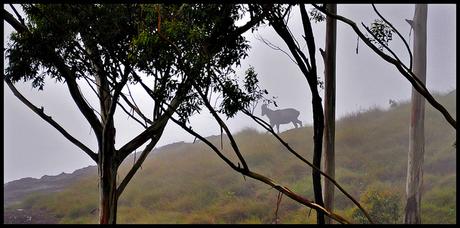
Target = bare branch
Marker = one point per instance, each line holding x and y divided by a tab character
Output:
131	115
214	148
262	178
267	127
146	134
159	123
53	123
77	96
134	106
274	47
92	88
117	91
139	162
224	126
137	110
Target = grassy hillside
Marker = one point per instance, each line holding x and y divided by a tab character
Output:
188	183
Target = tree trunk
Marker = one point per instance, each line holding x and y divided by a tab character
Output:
318	126
108	192
108	162
416	133
329	57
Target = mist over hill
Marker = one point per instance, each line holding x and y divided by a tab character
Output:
187	182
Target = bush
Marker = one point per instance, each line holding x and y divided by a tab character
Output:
382	204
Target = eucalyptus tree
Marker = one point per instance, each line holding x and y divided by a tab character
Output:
329	57
163	48
414	181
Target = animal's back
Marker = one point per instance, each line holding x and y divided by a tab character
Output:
286	115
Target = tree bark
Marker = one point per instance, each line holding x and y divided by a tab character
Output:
107	189
416	133
329	108
108	168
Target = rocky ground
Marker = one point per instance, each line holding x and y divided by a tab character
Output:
27	216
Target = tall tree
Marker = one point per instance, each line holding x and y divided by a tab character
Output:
110	47
277	16
329	56
416	153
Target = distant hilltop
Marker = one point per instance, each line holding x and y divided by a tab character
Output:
15	191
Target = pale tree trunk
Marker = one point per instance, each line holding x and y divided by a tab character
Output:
416	133
108	168
329	56
108	192
108	162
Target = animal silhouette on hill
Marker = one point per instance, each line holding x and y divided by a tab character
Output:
281	116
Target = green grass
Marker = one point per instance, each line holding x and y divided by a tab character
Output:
191	184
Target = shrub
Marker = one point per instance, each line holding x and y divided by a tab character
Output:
382	204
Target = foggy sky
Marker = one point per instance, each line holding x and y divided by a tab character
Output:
33	148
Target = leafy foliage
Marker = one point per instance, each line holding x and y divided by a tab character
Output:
183	47
382	32
383	205
316	15
56	37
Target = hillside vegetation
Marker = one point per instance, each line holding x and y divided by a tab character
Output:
188	183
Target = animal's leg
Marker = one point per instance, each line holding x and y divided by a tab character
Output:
278	128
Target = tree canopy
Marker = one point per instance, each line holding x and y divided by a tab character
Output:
168	42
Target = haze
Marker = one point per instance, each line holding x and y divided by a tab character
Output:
32	148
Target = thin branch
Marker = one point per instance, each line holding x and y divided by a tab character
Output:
264	179
214	148
117	91
70	78
134	103
86	100
268	127
160	122
131	115
53	123
409	75
242	29
381	42
140	139
397	32
139	162
136	109
78	96
274	47
224	126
